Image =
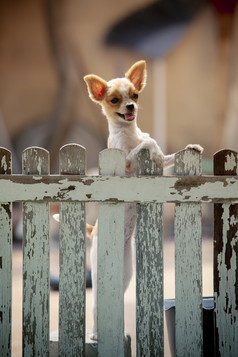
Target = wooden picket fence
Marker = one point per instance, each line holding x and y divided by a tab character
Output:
187	188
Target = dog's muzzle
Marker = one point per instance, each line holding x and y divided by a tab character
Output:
127	116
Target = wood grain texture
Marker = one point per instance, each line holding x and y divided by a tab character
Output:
5	263
225	263
188	265
72	261
111	264
35	262
149	269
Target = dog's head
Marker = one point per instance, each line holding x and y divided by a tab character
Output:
118	97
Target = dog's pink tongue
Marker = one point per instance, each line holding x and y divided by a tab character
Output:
129	116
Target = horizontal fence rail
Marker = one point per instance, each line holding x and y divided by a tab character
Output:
148	189
55	188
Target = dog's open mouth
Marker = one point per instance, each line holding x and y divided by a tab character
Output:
127	116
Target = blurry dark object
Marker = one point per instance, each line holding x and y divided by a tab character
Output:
208	325
156	28
224	6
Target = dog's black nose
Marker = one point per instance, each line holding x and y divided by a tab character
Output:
130	107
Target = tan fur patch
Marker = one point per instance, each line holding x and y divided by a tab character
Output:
132	94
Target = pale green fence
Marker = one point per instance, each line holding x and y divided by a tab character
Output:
111	189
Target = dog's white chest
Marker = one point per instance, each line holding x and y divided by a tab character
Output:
124	140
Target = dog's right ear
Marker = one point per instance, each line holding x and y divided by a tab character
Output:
96	87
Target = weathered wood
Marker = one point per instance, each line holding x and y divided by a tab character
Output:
225	263
58	188
5	262
35	262
72	188
110	264
188	264
72	261
149	269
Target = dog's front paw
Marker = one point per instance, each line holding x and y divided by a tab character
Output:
196	147
131	164
157	157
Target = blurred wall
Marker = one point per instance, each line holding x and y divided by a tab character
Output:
46	47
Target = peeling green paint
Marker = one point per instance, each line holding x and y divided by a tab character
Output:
36	188
188	265
226	307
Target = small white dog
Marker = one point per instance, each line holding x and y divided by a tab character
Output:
119	100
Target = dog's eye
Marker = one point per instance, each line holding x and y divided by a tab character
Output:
114	100
135	96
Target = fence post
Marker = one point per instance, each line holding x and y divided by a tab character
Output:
149	269
110	272
188	264
5	262
35	161
225	263
72	261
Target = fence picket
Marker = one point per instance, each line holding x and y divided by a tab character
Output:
35	262
72	261
110	264
188	264
225	263
5	262
149	269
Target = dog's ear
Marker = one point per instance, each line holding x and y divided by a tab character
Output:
96	87
137	75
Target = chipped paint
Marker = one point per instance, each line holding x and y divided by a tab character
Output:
35	261
5	264
188	264
150	191
72	260
210	189
5	279
72	280
226	308
149	280
230	162
149	267
4	163
110	272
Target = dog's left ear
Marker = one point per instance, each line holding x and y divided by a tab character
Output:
137	75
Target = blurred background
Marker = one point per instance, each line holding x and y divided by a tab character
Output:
47	46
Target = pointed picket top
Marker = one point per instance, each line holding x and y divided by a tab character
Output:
188	162
112	162
35	161
145	166
5	161
225	162
72	159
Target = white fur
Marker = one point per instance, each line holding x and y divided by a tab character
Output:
124	135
